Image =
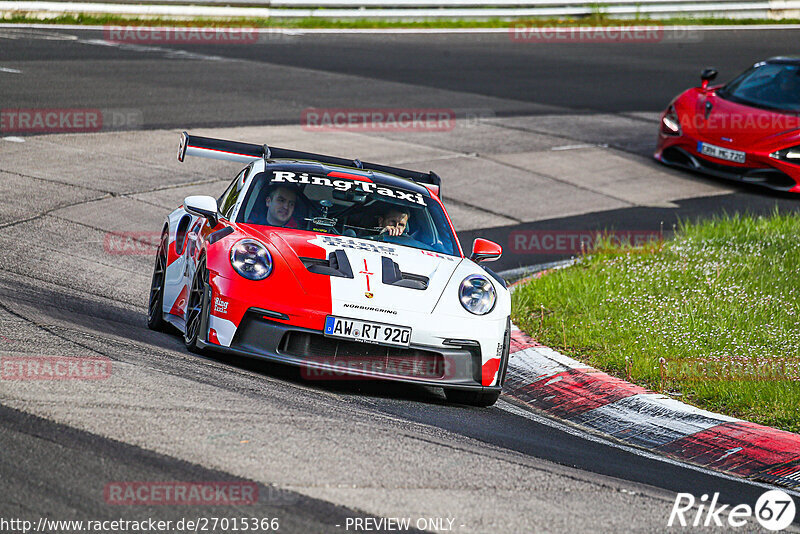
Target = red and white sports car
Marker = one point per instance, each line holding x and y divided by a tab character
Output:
747	130
335	265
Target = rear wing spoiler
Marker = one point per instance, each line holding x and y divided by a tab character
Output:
207	147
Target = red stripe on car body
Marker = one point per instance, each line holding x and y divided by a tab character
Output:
452	228
180	303
489	370
351	176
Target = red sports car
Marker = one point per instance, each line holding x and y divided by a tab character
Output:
747	130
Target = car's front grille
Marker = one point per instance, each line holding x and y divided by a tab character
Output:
768	176
353	355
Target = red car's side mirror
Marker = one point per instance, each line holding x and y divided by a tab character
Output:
706	76
485	250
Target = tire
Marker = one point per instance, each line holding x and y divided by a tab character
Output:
472	398
155	305
196	308
501	373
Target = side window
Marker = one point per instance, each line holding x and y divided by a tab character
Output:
180	233
228	199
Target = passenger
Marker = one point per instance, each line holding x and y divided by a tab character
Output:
394	221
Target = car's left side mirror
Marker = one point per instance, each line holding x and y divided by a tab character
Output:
707	76
202	206
485	250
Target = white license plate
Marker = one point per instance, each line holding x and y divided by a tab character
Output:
367	331
720	152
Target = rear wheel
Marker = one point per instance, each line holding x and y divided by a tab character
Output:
472	398
155	308
196	308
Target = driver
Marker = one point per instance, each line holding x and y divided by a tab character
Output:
280	204
393	221
790	86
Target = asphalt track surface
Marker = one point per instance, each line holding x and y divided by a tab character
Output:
319	452
322	70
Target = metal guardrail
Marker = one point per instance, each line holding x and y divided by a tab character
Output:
509	4
417	9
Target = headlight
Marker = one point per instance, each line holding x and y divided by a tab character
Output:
477	294
792	155
670	123
251	259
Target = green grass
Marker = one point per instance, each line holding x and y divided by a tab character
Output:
719	303
595	19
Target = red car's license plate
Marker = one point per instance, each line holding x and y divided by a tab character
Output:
721	152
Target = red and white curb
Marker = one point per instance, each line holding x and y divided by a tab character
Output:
595	401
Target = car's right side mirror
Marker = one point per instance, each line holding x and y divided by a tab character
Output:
706	76
485	250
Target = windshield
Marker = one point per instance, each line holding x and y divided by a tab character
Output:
767	85
348	207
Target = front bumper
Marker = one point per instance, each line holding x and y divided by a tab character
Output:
760	169
325	358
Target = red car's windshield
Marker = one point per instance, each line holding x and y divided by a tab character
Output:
353	208
767	85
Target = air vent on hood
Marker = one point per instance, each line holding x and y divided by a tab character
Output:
336	265
392	275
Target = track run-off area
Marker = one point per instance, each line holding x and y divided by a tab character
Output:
541	139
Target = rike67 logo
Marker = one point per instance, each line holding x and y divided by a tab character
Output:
774	510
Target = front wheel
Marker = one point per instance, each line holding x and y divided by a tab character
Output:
472	398
196	308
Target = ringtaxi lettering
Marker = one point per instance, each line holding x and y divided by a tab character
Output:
288	177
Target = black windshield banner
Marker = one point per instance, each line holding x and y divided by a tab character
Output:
288	177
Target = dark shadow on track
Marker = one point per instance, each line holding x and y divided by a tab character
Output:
33	485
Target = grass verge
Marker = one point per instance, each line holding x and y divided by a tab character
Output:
371	23
712	316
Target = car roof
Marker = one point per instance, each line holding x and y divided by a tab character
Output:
784	60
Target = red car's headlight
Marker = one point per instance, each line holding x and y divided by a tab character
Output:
670	124
790	155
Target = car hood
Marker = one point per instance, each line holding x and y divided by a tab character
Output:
364	273
734	125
